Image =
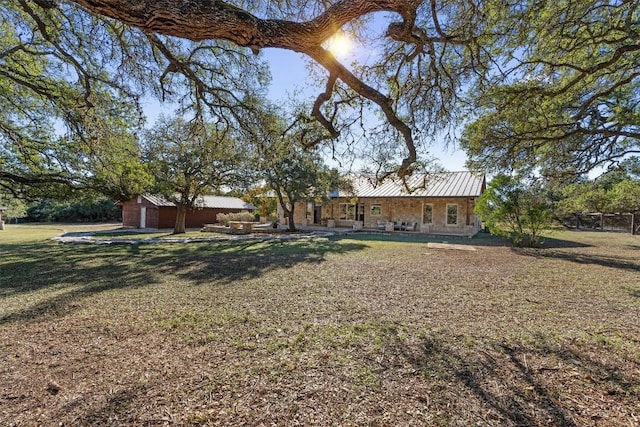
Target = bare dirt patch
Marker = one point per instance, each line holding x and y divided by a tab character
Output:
355	330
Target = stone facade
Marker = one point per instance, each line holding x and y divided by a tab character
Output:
450	215
437	203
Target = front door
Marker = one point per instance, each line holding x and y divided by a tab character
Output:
143	217
317	214
360	213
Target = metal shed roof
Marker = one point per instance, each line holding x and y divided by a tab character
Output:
216	202
158	200
441	184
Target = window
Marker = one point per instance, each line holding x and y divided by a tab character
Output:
347	211
309	212
427	218
376	210
452	214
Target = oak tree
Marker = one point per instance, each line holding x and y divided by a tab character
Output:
62	103
72	89
292	170
550	83
626	198
191	159
565	98
419	59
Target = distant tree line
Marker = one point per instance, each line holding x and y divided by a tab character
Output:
84	210
586	203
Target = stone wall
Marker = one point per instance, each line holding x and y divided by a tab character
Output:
410	210
300	215
405	209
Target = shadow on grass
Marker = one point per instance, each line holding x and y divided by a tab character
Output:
58	276
102	411
504	386
538	383
551	243
480	239
634	292
251	259
616	262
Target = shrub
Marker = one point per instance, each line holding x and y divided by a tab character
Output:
224	218
242	216
512	210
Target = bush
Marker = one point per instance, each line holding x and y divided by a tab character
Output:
244	216
223	219
512	210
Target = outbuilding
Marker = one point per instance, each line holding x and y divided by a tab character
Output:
154	211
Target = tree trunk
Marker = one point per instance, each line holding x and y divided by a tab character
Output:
181	216
289	213
601	221
633	224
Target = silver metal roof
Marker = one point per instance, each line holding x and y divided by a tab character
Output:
158	200
217	202
442	184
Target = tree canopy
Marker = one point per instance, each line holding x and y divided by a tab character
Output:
540	84
569	99
552	82
616	191
73	85
59	108
292	171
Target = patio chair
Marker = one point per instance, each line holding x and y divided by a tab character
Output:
411	226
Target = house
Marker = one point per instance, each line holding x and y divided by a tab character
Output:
438	203
153	211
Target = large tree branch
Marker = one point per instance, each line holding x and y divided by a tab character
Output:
328	61
208	20
201	20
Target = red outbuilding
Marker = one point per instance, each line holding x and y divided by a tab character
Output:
152	211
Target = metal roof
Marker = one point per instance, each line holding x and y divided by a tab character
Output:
158	200
441	184
217	202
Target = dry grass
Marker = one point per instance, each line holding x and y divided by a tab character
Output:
357	330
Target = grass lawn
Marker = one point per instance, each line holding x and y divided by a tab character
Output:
351	330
